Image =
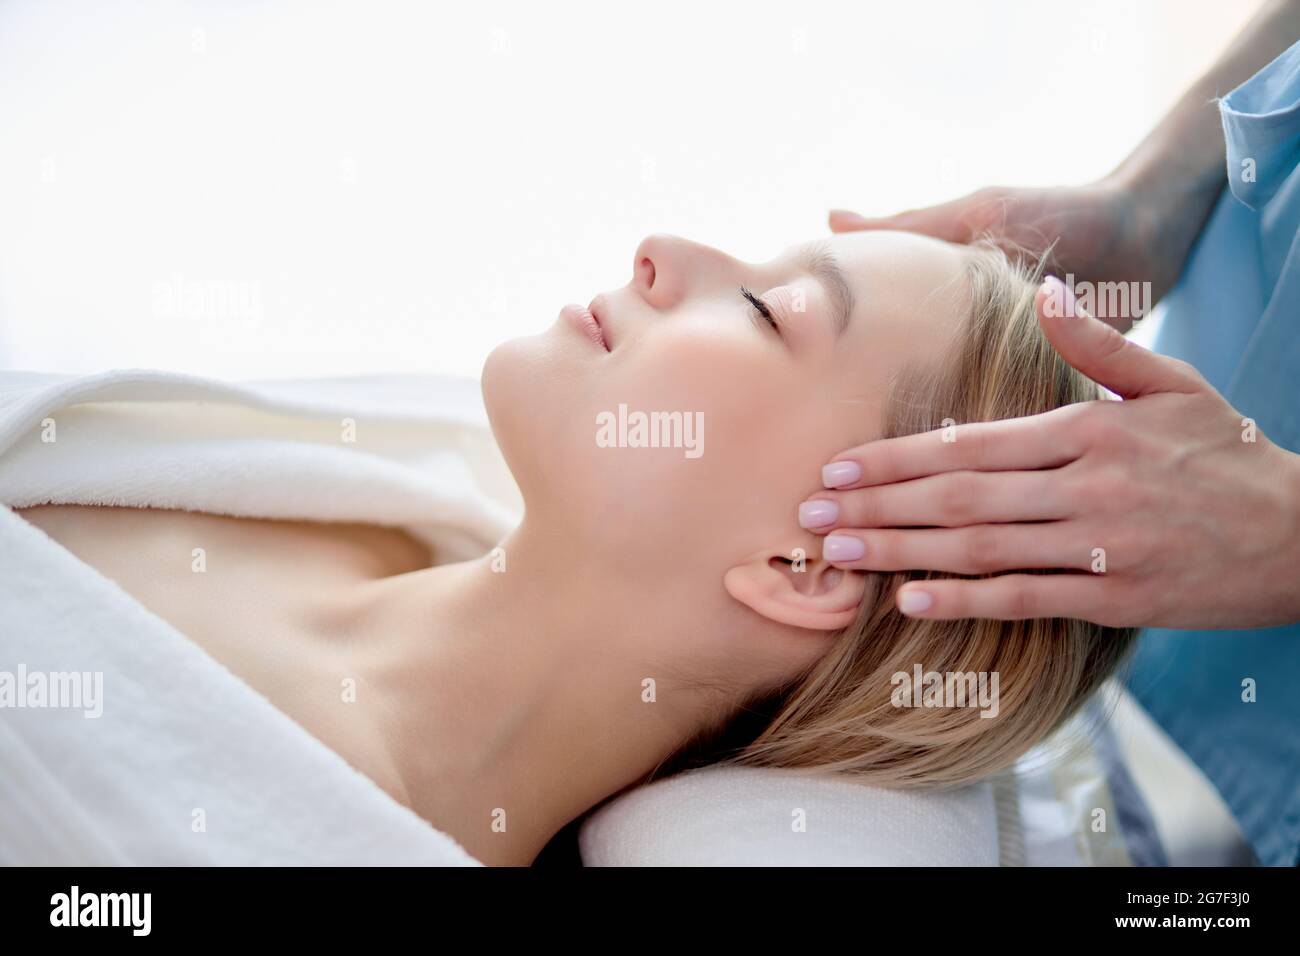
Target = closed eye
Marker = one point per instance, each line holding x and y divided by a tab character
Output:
761	310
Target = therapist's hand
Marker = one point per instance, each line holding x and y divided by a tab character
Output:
1125	228
1157	509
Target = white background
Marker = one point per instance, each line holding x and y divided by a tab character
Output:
394	187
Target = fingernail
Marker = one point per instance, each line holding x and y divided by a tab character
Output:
839	473
914	602
818	514
1060	299
842	547
848	217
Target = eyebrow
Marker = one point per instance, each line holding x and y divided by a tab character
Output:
821	264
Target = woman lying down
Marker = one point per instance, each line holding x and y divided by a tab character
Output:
656	607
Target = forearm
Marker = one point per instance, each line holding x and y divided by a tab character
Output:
1182	158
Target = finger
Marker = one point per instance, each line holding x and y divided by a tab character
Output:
1103	354
1010	444
1006	597
978	549
844	220
948	501
951	221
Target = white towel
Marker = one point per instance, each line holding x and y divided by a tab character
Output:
188	764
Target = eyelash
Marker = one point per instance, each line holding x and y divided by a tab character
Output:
761	309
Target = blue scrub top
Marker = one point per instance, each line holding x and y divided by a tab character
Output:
1235	314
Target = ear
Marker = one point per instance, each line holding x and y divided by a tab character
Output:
797	587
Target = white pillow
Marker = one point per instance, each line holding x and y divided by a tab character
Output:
1069	802
747	816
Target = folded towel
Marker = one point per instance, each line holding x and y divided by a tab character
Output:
187	764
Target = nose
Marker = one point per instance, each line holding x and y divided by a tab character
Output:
666	268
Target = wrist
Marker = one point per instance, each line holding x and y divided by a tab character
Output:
1160	203
1167	187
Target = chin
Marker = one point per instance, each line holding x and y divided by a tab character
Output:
541	406
522	389
496	374
505	384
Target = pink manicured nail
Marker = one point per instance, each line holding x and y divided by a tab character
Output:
1060	298
839	473
842	547
818	514
848	217
914	602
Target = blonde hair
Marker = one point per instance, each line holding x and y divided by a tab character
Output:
840	715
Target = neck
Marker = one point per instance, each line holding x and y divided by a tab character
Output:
517	698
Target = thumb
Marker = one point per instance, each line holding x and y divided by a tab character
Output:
1103	354
950	221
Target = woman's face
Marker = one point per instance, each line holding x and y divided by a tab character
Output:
758	409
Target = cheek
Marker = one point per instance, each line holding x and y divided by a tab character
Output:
748	407
742	429
729	383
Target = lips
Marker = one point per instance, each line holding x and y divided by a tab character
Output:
584	319
598	312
